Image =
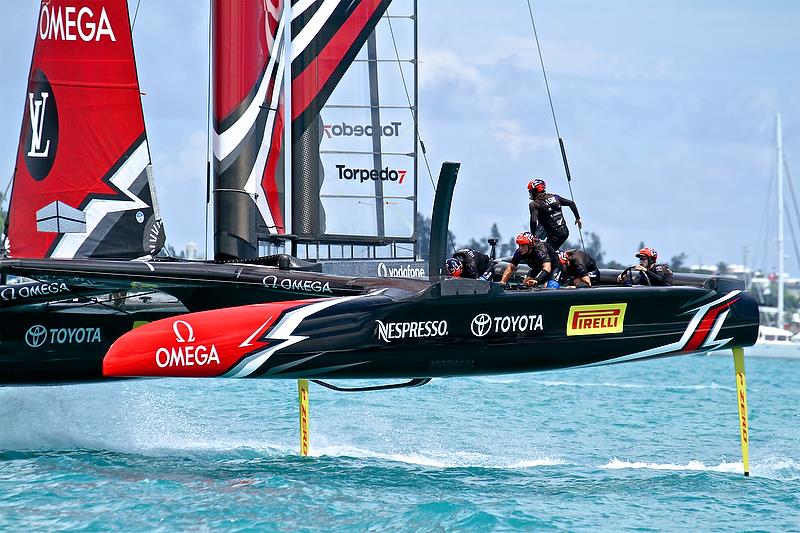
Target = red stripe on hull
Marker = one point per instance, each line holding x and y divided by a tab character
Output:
706	324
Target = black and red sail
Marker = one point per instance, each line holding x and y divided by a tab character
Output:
248	124
326	37
250	58
82	185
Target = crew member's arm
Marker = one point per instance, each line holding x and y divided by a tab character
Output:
540	276
574	208
659	276
534	217
507	272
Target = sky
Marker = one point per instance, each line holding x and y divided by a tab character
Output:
667	110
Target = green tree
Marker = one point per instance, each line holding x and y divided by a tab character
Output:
507	249
593	247
615	264
424	237
677	261
477	245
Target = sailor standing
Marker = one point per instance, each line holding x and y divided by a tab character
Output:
547	218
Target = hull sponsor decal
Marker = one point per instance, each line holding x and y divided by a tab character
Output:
389	331
38	335
10	293
186	352
297	285
404	271
698	335
596	319
483	324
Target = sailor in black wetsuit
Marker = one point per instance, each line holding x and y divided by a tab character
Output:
537	254
650	272
578	266
472	264
547	219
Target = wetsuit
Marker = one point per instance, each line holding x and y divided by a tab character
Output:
539	254
546	212
659	275
475	264
579	264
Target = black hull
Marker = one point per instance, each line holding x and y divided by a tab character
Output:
66	341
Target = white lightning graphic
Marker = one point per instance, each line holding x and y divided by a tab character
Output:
283	331
687	334
97	209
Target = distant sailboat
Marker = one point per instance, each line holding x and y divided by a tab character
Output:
777	342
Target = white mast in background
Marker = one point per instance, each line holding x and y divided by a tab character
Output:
780	221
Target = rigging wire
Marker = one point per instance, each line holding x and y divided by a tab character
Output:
135	14
414	115
763	230
796	209
553	112
765	225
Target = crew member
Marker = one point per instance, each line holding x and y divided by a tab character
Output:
537	254
578	266
658	274
472	264
547	218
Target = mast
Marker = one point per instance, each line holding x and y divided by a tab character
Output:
780	220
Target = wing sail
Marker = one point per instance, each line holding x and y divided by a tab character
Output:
248	125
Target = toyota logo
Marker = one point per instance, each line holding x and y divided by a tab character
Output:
481	325
36	336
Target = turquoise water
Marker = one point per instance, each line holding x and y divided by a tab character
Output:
641	446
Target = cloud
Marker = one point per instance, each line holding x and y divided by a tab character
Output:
514	140
440	68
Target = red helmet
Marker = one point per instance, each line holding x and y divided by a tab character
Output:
453	267
536	186
563	257
525	238
647	253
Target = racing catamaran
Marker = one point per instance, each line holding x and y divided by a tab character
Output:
83	196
